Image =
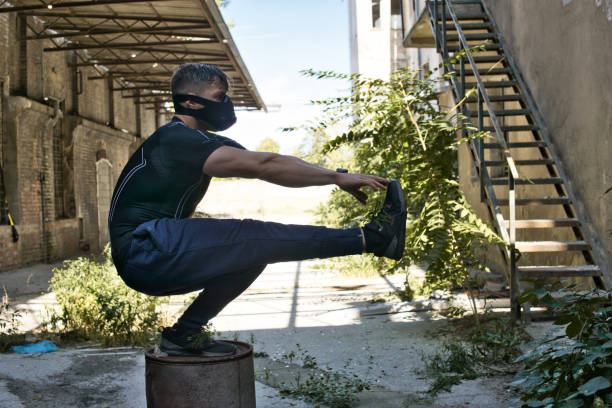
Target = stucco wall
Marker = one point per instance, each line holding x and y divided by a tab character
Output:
562	48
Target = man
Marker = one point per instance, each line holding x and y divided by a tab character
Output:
159	250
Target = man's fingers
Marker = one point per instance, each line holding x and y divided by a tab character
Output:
360	196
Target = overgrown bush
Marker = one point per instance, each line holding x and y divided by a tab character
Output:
571	370
9	323
96	304
396	130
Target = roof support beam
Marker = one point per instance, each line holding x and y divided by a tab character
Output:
211	40
50	5
148	95
114	17
88	31
130	74
149	87
218	62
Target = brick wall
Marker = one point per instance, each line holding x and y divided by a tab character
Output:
27	150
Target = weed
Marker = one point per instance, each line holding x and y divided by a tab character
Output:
449	367
406	294
571	370
260	354
330	388
96	304
205	335
327	387
267	374
487	342
496	340
252	338
308	361
9	321
289	356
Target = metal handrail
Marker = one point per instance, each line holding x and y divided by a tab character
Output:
509	236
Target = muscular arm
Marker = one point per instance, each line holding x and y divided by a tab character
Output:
284	170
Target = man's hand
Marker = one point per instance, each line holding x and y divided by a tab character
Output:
352	183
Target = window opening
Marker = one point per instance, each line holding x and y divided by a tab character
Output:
396	14
3	198
376	14
58	173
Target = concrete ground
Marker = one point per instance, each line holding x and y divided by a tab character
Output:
329	315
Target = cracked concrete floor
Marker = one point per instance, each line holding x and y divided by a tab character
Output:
328	315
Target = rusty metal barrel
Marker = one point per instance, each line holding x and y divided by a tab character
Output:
203	382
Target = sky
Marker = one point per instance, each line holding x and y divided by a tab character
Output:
276	40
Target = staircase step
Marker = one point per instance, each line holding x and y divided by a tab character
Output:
538	162
508	112
551	246
487	58
492	84
457	2
490	46
472	36
488	71
467	26
545	223
539	272
465	16
520	128
498	98
536	180
513	145
536	200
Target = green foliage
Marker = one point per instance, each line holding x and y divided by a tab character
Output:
327	387
9	323
482	347
268	145
571	370
396	130
449	367
330	388
96	304
496	340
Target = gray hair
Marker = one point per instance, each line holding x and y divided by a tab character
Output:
191	77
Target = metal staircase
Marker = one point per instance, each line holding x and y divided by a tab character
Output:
519	173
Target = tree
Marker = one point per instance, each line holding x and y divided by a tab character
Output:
268	145
397	132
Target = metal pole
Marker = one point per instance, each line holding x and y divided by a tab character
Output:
444	54
435	18
481	152
514	281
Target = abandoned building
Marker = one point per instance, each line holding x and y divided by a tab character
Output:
82	84
541	87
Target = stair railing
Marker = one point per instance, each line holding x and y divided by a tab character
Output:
486	186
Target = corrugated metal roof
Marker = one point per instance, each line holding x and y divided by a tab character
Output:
140	43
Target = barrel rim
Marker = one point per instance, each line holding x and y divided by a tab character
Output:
244	350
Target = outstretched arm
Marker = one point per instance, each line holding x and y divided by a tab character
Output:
286	171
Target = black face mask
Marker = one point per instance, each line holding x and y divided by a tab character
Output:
220	115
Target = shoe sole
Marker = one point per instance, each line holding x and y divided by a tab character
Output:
182	353
397	245
174	350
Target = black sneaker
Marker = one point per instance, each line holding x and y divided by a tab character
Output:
176	342
385	235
